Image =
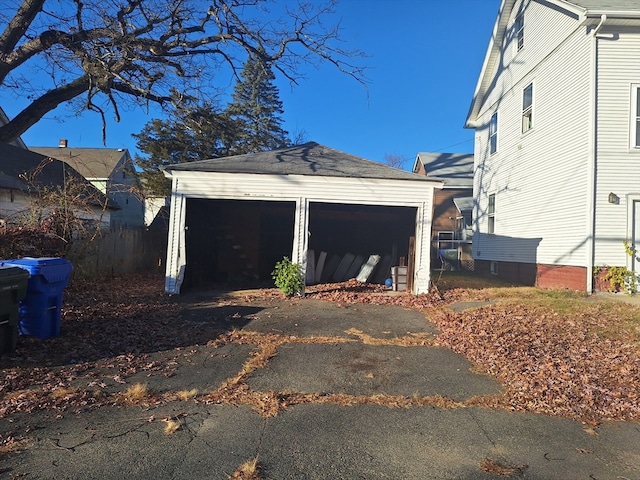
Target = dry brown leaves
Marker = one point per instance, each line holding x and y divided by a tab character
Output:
550	363
581	365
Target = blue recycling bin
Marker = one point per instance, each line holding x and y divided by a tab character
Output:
40	310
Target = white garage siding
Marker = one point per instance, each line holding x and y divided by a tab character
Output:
303	190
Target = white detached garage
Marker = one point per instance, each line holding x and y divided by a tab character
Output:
237	216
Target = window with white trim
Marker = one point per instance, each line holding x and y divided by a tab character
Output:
527	108
518	28
493	133
491	214
635	116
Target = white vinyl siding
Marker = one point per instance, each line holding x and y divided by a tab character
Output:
618	169
540	177
546	29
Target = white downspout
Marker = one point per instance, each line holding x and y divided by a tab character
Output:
591	164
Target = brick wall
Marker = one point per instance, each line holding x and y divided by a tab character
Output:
543	276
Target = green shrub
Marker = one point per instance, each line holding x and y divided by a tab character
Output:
288	277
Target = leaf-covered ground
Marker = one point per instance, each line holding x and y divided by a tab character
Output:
555	353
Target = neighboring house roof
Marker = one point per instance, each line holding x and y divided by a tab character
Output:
454	169
585	11
4	119
311	159
463	204
92	163
19	168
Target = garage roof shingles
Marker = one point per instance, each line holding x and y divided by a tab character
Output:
307	159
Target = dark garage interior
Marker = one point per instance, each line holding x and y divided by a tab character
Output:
239	241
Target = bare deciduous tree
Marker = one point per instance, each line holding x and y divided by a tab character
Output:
394	160
106	53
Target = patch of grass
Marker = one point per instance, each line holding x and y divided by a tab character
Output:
136	394
468	280
171	426
249	470
184	395
63	393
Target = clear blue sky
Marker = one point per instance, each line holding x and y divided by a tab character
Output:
425	58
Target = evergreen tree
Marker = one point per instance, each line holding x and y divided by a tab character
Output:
256	104
188	135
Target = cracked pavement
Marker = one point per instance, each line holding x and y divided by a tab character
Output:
362	392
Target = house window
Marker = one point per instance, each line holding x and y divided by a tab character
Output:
518	28
493	133
491	213
635	116
527	108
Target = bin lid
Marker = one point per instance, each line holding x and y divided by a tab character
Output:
7	273
53	269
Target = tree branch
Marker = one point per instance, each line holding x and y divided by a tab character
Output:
19	24
47	102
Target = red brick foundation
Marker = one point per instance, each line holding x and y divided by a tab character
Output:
539	275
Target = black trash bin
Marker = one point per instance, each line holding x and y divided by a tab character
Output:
13	288
41	309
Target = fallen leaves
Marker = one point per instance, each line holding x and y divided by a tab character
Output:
501	469
573	358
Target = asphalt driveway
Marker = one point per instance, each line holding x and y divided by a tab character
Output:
314	390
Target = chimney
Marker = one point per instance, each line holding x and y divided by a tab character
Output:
63	143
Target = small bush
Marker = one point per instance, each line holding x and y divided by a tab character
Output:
288	277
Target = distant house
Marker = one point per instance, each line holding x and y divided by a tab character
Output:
111	171
26	175
245	213
3	121
452	207
556	112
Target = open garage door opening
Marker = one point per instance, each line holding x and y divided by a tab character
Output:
235	241
358	232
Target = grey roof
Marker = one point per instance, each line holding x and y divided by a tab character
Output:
22	169
92	163
310	159
463	204
611	5
454	169
4	119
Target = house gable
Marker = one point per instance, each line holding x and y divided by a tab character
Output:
25	172
540	195
111	171
454	169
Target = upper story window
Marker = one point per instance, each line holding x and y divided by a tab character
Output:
491	214
493	133
635	116
518	28
527	108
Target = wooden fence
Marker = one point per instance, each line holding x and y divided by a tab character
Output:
123	251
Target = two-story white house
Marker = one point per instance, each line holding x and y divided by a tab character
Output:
111	171
556	112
